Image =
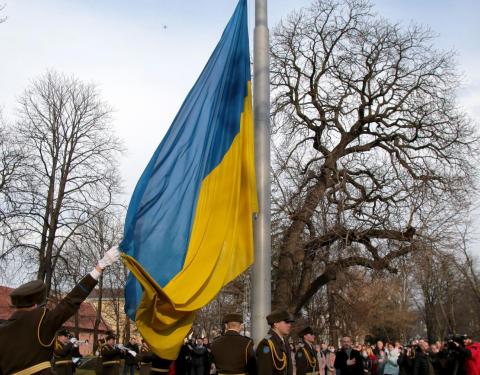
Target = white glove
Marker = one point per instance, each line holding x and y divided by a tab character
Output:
110	257
73	340
132	353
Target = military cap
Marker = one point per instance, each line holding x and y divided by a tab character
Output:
279	316
306	331
63	332
233	317
28	294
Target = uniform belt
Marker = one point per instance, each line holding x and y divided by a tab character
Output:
34	369
144	363
111	363
153	369
63	362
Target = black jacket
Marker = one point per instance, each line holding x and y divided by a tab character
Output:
341	362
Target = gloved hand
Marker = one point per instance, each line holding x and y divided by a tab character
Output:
110	257
73	340
132	353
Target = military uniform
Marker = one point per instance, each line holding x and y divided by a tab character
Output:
160	365
63	354
273	352
111	359
27	337
233	353
306	355
145	360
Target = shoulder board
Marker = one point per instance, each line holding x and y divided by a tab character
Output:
301	345
268	336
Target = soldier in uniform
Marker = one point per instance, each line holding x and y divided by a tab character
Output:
233	353
27	338
145	358
111	357
63	353
160	365
306	355
273	352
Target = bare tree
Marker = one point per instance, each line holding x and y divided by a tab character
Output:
64	128
368	140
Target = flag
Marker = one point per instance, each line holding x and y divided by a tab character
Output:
188	230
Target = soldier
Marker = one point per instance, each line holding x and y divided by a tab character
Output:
159	365
273	352
233	353
306	355
27	338
145	358
63	353
111	357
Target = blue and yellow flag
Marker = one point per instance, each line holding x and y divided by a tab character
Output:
188	230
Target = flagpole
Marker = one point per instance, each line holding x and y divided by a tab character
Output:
261	272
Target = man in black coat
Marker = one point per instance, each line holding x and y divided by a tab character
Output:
348	360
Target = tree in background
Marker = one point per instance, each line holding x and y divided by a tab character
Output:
70	174
370	146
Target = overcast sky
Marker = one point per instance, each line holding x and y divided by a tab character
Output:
145	55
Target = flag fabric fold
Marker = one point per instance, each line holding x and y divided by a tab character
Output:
188	230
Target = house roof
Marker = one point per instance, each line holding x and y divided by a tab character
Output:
5	309
86	313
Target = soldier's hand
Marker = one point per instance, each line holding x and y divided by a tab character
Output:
110	257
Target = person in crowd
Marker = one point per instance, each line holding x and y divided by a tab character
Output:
63	353
184	359
232	352
273	351
405	361
306	356
381	357
131	357
366	361
348	360
391	363
200	358
330	361
321	359
472	360
111	357
423	364
373	360
27	338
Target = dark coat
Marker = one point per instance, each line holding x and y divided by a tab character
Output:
19	341
306	359
233	353
423	364
279	361
145	357
130	360
111	360
63	354
341	362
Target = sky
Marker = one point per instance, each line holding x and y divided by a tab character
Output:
145	55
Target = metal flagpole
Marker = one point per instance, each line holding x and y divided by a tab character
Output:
261	278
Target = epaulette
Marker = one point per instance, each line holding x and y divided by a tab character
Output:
301	345
268	336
